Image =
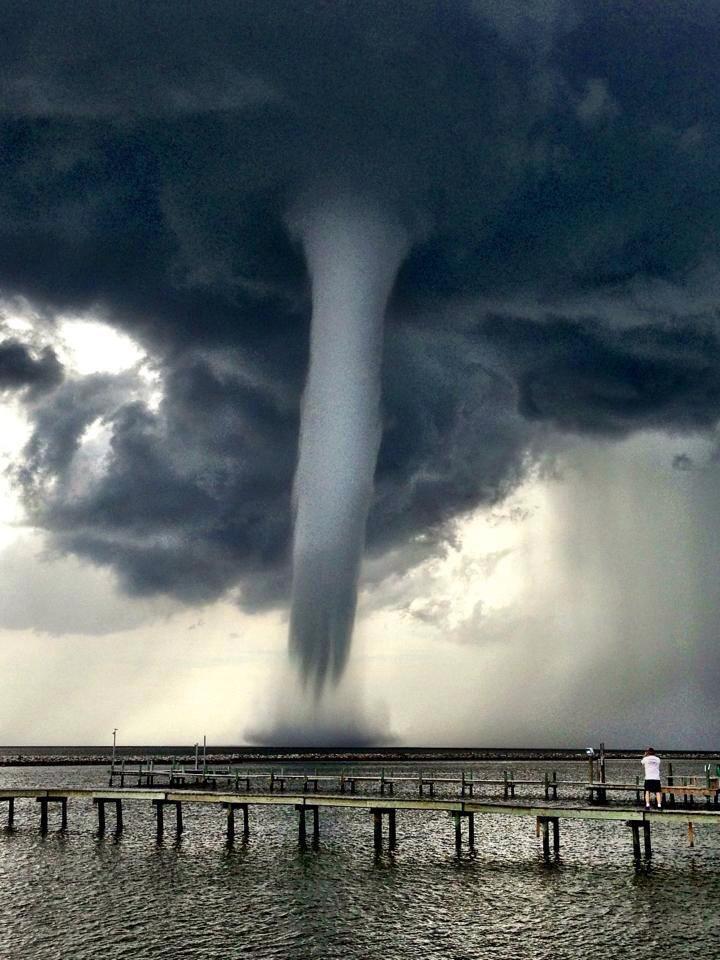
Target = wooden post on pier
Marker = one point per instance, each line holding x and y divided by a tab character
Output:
458	817
555	785
377	830
670	783
100	804
635	827
44	802
316	827
11	811
302	809
231	808
691	834
159	812
505	785
377	815
392	831
543	827
43	815
302	839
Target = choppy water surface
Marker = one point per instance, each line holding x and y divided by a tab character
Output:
75	895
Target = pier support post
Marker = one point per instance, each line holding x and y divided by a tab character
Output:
302	837
458	817
44	802
543	827
11	811
635	827
231	808
691	834
100	804
102	820
377	814
646	839
302	809
392	831
316	827
159	811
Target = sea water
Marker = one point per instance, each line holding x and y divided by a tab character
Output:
75	895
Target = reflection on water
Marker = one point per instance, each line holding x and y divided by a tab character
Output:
79	896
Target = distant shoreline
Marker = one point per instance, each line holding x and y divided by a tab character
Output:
100	756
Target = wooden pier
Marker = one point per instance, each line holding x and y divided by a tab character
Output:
676	790
546	817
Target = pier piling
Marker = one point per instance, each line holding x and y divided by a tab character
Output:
44	801
377	814
159	812
647	844
543	828
646	839
458	817
11	811
302	809
231	808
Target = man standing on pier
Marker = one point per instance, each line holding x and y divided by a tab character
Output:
651	765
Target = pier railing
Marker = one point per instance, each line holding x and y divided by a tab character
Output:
677	790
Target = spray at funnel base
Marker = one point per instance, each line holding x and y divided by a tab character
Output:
353	251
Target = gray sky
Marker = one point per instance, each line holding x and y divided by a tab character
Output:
541	539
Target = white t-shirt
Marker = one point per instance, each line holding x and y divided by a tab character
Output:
651	764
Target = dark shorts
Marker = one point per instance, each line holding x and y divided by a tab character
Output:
653	786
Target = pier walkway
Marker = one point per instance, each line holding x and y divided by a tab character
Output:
546	816
676	790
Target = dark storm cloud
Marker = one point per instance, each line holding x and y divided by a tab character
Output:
587	378
149	154
19	368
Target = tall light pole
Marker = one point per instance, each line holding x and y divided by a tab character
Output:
112	764
196	755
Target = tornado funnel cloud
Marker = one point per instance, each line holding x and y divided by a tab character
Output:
353	250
